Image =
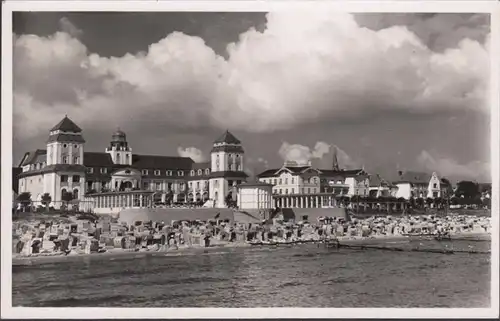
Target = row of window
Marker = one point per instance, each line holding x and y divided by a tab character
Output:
156	172
292	191
275	181
198	184
74	146
75	178
74	194
76	160
38	166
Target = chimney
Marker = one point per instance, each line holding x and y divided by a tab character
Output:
400	173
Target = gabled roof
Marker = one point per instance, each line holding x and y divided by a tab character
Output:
33	157
227	138
376	180
322	172
268	173
67	125
414	177
296	169
342	172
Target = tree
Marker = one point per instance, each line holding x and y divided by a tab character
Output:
420	202
46	200
429	201
25	200
438	202
230	202
467	189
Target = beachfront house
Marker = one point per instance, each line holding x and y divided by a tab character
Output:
380	187
419	185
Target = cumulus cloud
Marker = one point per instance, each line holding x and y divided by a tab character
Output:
68	27
321	156
327	67
255	166
193	152
448	167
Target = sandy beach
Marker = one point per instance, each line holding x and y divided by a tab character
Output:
20	260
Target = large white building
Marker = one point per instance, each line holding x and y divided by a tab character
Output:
108	181
295	185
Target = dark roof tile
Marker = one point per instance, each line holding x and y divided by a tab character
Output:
228	174
414	177
161	162
228	138
67	125
33	157
96	159
70	138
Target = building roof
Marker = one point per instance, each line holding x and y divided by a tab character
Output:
414	177
201	165
342	172
227	138
93	159
376	180
228	174
161	162
34	157
254	184
323	172
70	138
67	125
228	149
267	173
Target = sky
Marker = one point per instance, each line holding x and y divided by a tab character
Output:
388	92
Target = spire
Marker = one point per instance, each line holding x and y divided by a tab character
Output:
335	163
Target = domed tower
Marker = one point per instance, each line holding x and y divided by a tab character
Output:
119	150
227	168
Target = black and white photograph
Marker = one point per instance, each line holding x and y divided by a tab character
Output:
301	156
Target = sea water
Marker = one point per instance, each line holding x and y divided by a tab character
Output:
284	276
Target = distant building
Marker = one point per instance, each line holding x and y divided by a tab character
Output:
303	186
255	195
115	179
380	187
420	185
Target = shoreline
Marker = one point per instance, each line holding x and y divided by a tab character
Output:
184	250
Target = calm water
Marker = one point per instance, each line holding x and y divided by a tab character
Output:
300	276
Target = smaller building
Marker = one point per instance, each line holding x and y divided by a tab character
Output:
380	187
255	195
420	185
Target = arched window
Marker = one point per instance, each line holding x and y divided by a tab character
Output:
207	171
118	158
200	172
192	173
75	194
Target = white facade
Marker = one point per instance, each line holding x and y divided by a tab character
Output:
227	160
289	182
255	196
430	189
